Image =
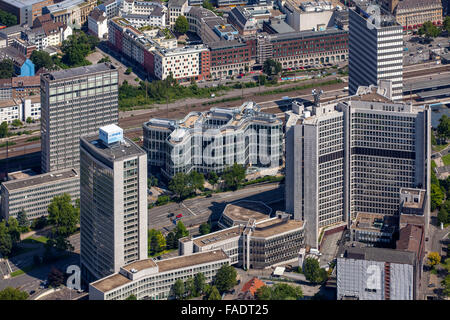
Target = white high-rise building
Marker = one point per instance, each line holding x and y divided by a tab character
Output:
353	155
113	203
375	48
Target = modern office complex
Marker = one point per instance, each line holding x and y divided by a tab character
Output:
75	102
25	10
113	198
376	274
255	240
213	140
353	155
375	48
34	193
153	279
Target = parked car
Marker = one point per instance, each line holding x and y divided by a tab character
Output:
170	215
179	215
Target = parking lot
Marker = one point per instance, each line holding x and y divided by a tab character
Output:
418	51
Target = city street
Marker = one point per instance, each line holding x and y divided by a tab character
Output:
201	209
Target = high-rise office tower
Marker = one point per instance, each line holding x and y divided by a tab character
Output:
353	155
113	202
375	48
75	102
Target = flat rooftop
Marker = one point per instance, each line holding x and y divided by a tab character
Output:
46	178
113	151
374	222
140	265
111	282
275	227
245	210
190	260
80	71
22	3
410	201
380	254
218	236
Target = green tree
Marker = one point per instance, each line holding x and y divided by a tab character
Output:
14	230
4	129
437	196
312	271
104	59
234	176
63	215
180	230
283	291
181	25
6	69
29	120
262	79
196	180
22	219
171	241
214	294
446	285
55	277
205	228
178	289
16	123
271	67
152	181
264	293
225	278
189	287
433	259
199	283
10	293
446	24
180	185
443	129
131	297
6	243
42	59
156	240
213	179
442	215
429	30
7	18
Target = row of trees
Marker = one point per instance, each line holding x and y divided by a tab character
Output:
62	215
184	185
7	18
279	291
6	69
158	243
429	30
224	281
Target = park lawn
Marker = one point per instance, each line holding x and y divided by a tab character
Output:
32	239
446	159
22	271
439	147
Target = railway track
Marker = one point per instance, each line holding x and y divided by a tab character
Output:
132	125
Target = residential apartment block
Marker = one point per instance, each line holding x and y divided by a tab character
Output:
34	193
150	279
75	102
113	198
20	109
98	23
213	140
375	49
19	88
353	155
183	64
144	13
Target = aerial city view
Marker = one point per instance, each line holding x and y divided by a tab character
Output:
238	150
